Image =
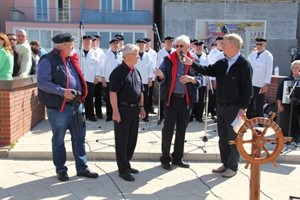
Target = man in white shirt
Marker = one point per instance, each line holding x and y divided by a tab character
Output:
98	87
261	61
153	55
167	50
144	66
24	50
112	58
91	71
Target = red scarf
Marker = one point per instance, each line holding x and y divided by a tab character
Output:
174	59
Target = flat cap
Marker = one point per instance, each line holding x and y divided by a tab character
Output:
147	39
141	40
97	36
219	38
199	43
260	39
119	37
168	38
62	37
114	40
193	40
87	37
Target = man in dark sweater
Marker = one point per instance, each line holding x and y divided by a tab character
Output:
233	74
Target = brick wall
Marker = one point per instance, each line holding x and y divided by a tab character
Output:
270	96
19	112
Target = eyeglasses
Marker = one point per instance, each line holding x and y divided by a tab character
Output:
12	39
181	46
259	44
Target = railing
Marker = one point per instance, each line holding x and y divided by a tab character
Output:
28	14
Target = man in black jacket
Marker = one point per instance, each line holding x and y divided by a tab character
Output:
233	74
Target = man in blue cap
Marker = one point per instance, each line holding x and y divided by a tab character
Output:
62	89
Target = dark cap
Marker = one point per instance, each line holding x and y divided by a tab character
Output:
97	36
119	37
193	40
114	40
169	38
199	43
87	37
260	39
62	37
213	44
219	38
147	39
141	40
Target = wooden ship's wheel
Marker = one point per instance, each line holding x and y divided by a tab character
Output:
258	145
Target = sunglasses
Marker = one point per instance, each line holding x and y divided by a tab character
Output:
259	44
12	39
181	46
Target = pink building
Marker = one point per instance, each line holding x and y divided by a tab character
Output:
42	19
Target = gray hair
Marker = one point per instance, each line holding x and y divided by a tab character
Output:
130	48
234	39
183	38
296	62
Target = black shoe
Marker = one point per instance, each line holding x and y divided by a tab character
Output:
127	176
200	120
94	119
100	116
134	171
180	164
108	119
88	174
166	166
63	176
152	112
191	119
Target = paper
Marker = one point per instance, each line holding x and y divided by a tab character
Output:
237	124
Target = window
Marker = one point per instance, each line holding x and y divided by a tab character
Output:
63	10
107	5
41	10
127	5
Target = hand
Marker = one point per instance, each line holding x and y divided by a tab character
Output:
188	60
158	73
68	94
142	112
264	89
280	108
150	83
185	79
96	80
116	117
241	112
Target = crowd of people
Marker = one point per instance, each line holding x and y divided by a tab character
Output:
72	84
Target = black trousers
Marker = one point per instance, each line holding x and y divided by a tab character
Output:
256	106
198	108
146	99
229	153
126	133
176	113
150	103
89	101
108	105
98	99
212	106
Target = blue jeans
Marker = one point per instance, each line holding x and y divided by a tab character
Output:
60	122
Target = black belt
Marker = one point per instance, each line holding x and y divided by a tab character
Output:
128	104
182	96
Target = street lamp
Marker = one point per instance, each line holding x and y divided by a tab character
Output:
292	51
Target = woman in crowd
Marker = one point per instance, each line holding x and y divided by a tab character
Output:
6	57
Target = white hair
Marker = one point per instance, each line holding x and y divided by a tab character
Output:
183	38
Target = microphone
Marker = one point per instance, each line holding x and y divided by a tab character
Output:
182	54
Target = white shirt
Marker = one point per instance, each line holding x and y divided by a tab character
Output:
215	55
109	63
153	55
262	67
100	55
161	55
90	65
144	66
204	61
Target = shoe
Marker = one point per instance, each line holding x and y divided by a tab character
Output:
133	171
146	119
100	116
229	173
94	119
220	169
127	176
108	119
200	120
63	176
213	117
181	164
88	174
166	166
152	112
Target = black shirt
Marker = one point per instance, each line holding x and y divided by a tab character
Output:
126	83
